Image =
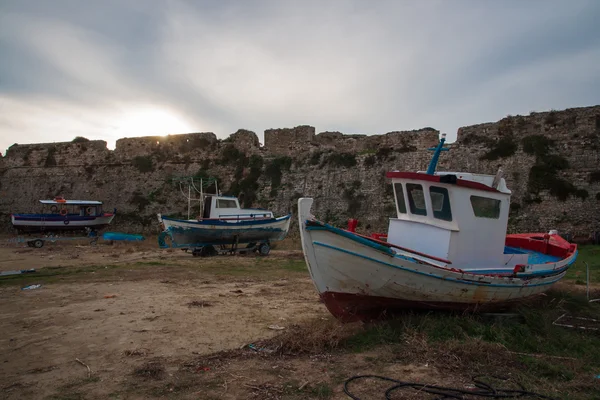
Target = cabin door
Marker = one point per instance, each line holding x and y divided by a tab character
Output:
207	207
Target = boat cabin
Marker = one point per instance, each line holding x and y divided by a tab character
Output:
74	207
451	215
228	208
454	216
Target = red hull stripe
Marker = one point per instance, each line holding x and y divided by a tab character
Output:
349	307
436	178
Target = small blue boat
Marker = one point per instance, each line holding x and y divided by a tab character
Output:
122	236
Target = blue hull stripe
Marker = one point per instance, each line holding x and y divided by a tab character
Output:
465	282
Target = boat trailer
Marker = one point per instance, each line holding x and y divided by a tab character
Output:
262	248
39	241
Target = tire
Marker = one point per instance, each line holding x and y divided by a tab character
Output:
38	243
264	249
208	251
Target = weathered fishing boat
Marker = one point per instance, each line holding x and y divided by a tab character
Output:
224	223
64	215
447	248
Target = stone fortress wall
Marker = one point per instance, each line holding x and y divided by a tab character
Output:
550	161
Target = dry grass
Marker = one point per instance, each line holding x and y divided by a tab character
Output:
151	370
311	337
199	303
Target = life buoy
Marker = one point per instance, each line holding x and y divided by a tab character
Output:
89	210
66	222
63	211
54	209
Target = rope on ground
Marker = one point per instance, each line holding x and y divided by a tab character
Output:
481	390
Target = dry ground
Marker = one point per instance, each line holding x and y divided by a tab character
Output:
130	321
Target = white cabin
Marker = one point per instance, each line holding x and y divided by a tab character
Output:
453	215
228	208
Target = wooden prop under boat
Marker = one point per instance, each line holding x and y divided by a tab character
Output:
446	249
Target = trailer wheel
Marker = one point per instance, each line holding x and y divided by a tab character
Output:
38	243
264	249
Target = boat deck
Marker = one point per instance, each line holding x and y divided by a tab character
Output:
535	257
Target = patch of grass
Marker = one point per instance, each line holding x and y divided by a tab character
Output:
152	263
591	255
57	274
531	332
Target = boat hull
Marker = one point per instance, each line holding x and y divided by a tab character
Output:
358	279
51	222
214	232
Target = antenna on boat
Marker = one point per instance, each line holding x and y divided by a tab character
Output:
194	183
436	155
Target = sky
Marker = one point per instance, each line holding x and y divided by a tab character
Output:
123	68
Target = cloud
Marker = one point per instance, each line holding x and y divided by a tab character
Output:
80	69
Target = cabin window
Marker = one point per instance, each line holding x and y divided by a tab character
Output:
400	198
484	207
224	203
440	202
416	199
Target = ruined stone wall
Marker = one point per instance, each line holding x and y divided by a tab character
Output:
550	161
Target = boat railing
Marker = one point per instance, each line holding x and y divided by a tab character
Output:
244	217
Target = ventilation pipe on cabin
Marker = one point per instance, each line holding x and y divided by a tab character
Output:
497	178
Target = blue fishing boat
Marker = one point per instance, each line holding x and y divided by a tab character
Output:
64	215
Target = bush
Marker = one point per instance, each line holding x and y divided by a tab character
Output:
275	168
504	147
341	160
594	177
50	159
139	200
538	145
80	139
230	154
143	163
370	160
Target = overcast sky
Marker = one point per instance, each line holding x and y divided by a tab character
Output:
121	68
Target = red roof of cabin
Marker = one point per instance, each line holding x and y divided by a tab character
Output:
436	178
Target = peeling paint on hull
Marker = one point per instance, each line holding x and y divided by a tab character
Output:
357	279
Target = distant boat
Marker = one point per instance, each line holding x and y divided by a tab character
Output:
447	248
64	215
224	223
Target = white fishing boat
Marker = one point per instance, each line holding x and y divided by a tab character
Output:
225	223
447	248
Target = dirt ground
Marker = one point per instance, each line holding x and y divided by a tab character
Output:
132	321
139	303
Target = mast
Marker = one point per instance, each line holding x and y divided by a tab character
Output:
436	155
